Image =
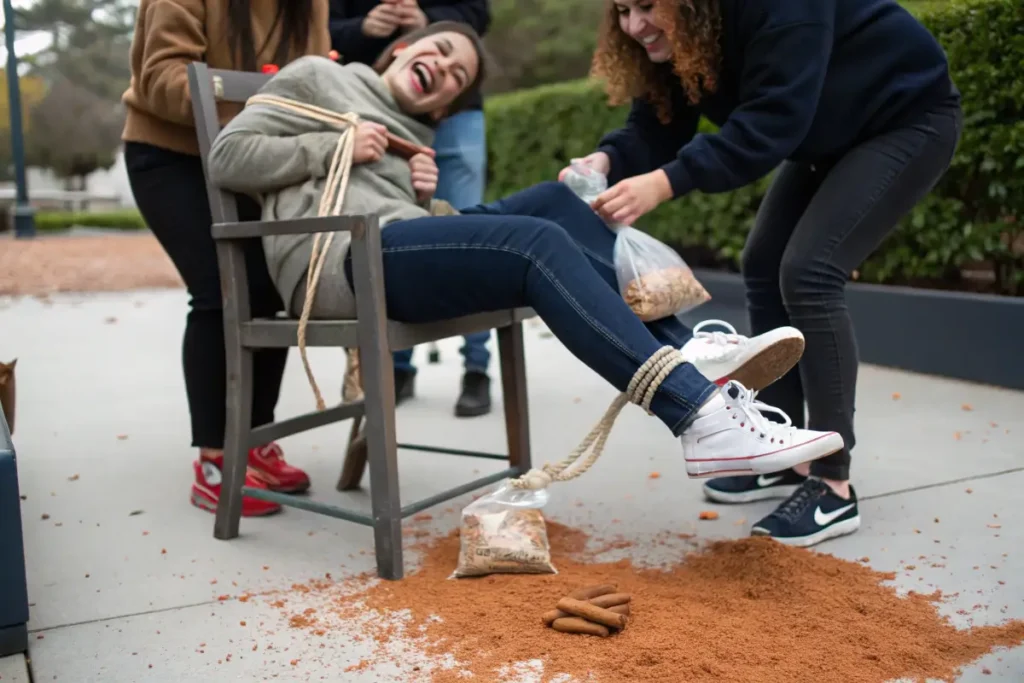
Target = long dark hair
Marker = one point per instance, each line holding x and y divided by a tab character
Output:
463	100
294	18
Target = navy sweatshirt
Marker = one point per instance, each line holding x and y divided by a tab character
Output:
801	80
347	37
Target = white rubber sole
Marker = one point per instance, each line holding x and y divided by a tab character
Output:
843	528
766	463
752	496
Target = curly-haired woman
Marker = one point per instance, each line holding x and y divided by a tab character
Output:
852	102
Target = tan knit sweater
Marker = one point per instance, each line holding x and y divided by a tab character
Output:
169	34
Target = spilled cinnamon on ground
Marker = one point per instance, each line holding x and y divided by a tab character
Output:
733	612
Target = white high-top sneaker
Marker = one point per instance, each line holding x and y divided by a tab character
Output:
730	435
754	362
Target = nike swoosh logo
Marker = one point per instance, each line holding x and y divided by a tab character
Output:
823	519
767	481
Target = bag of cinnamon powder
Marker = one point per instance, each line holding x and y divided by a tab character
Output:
504	533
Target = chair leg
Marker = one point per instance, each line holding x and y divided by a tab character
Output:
236	437
512	352
355	458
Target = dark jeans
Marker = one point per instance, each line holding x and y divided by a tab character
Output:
546	249
815	226
170	192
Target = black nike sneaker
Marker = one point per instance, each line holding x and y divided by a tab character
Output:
748	488
814	513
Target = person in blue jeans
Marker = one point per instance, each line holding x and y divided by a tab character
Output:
360	31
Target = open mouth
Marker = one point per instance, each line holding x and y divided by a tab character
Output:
651	40
422	77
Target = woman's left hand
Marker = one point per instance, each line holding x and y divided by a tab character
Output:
424	176
626	201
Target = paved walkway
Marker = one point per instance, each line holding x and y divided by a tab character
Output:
124	575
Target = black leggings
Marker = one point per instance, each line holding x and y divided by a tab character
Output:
814	227
170	192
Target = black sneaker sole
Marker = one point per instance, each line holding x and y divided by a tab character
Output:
752	496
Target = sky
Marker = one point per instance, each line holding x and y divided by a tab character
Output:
25	44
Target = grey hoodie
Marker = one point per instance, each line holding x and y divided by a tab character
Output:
282	158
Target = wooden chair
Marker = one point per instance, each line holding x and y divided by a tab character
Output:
374	335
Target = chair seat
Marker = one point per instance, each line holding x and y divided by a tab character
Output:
282	333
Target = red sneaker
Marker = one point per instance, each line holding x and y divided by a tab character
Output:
267	464
206	490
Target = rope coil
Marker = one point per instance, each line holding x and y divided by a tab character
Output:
641	391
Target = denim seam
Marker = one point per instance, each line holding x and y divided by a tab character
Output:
554	282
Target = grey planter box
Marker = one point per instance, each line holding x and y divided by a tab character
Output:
13	591
974	337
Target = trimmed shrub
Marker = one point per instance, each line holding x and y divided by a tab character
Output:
972	220
123	219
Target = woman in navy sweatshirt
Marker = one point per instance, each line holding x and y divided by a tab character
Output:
851	101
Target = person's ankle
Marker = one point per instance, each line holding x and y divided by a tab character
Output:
210	453
839	487
803	469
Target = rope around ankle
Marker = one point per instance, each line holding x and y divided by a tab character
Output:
641	391
330	205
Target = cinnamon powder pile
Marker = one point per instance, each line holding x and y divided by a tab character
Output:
732	612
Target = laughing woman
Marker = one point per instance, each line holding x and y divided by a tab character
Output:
852	102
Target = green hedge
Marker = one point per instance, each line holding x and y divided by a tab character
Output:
121	219
973	218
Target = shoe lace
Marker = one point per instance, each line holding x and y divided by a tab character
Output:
795	506
717	344
754	411
271	451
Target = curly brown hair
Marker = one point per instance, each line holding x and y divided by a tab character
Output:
692	28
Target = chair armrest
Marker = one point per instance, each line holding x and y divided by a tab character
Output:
294	226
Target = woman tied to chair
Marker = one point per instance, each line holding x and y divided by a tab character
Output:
541	248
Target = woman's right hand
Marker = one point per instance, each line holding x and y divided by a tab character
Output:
371	142
597	161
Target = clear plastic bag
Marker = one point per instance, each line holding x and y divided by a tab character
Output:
504	532
653	278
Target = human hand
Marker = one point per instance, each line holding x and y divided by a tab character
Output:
597	161
629	199
371	142
411	17
382	20
424	175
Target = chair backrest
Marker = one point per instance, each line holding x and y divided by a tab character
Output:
208	87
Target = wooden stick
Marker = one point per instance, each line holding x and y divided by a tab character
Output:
577	625
593	613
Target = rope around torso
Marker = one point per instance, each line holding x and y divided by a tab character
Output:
331	202
641	391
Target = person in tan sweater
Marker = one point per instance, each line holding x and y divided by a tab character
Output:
166	176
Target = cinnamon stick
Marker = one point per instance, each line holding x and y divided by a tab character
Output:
590	612
605	601
610	600
404	148
577	625
590	592
620	609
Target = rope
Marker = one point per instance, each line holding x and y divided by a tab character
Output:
641	391
331	201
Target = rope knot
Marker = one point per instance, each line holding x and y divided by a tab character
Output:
641	391
534	480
